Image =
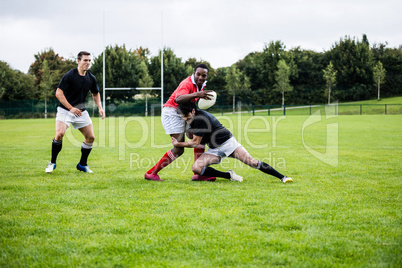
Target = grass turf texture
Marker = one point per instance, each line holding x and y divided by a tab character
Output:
348	215
369	107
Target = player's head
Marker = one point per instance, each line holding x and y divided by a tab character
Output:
84	60
201	65
200	74
187	111
83	53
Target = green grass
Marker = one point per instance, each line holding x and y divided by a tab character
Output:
331	216
341	109
368	107
393	100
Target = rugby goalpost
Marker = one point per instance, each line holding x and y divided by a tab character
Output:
131	88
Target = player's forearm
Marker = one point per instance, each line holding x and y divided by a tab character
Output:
186	98
181	144
97	100
187	144
60	96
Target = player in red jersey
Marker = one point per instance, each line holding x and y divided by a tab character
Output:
190	89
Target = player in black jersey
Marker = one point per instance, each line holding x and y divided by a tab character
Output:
206	129
71	93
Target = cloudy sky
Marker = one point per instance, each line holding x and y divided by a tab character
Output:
219	31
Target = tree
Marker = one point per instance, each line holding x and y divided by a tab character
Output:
4	75
121	71
308	85
190	65
236	82
272	54
46	84
354	62
330	77
15	85
2	79
57	65
261	68
145	82
391	59
379	76
282	79
143	53
252	67
217	83
174	71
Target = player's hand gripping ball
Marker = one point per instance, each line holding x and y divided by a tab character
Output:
205	104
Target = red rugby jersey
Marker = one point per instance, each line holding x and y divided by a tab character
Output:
187	86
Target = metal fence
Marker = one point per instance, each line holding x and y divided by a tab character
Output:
36	109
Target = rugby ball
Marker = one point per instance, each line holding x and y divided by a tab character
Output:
205	104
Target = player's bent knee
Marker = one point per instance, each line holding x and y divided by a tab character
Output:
91	139
59	136
177	151
197	169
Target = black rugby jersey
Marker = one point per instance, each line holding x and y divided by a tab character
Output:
206	125
75	88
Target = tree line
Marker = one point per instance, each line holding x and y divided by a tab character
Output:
350	70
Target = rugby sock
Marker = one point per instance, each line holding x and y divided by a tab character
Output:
211	172
166	159
56	148
197	153
264	167
85	150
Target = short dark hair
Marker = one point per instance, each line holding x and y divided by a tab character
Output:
186	108
201	65
86	53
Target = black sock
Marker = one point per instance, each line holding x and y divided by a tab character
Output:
264	167
85	150
56	148
211	172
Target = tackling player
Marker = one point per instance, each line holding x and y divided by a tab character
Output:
71	93
190	89
206	129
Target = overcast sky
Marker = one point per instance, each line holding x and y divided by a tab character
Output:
218	31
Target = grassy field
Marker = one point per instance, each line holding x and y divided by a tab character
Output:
345	213
393	100
368	107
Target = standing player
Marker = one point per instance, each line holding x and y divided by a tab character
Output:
190	89
206	129
71	93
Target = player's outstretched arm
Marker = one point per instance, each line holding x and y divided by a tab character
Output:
98	103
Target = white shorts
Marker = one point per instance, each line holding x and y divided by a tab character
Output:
172	122
68	118
226	149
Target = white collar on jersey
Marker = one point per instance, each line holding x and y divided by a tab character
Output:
193	80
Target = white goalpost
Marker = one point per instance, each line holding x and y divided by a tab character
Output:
130	88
